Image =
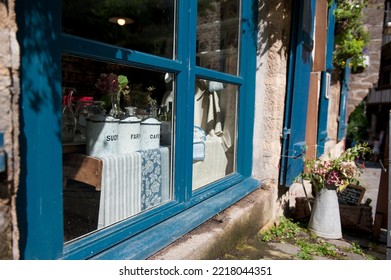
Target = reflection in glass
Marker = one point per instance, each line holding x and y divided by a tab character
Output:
146	26
218	35
215	131
109	181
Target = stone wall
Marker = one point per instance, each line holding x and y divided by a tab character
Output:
214	238
271	78
9	124
361	83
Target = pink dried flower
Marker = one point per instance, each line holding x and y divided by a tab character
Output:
348	169
333	178
107	83
340	171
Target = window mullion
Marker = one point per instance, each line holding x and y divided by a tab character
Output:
247	70
185	98
96	50
205	73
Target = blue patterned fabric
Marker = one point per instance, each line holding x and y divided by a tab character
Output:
154	177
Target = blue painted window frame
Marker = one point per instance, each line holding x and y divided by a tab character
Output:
40	193
2	153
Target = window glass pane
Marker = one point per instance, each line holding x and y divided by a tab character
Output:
148	25
115	165
215	131
218	35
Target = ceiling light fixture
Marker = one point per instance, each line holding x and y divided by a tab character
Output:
121	20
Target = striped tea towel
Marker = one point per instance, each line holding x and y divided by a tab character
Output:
120	195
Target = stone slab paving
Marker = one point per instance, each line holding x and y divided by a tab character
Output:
286	248
287	251
340	243
370	180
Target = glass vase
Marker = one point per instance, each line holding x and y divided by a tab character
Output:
116	110
68	120
83	112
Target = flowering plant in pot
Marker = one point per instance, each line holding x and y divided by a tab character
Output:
327	176
339	171
114	86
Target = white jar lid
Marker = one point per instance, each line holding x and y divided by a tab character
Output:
150	121
103	118
130	119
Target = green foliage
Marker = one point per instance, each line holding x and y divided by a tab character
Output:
356	249
315	247
357	124
351	36
285	230
338	171
139	96
310	245
349	9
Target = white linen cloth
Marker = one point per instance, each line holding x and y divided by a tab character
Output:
214	115
120	195
214	165
132	183
209	112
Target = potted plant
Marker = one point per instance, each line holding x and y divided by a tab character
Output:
140	98
113	86
328	175
351	35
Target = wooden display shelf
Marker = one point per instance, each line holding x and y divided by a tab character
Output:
67	149
78	145
82	168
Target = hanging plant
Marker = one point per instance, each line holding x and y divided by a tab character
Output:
351	36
